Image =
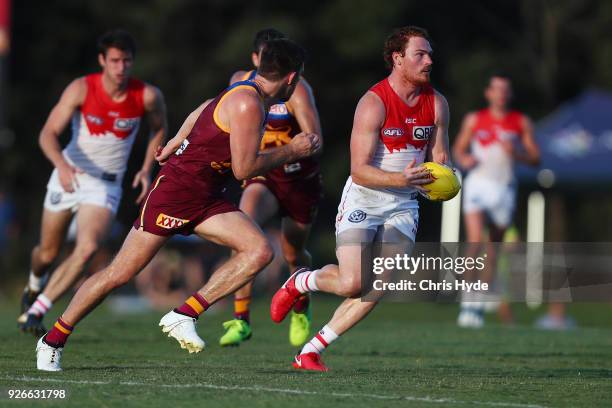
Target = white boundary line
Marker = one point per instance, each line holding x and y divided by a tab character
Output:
281	391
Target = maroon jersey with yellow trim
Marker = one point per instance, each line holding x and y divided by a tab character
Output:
281	127
204	160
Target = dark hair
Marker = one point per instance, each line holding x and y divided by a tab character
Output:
280	57
265	35
398	40
119	39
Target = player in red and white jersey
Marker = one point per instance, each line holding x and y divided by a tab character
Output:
489	142
293	191
399	123
105	110
218	140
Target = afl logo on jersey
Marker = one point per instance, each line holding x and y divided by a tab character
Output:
94	119
123	124
357	216
393	132
422	132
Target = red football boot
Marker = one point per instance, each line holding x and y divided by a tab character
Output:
285	298
310	362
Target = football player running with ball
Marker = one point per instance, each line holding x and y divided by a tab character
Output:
399	123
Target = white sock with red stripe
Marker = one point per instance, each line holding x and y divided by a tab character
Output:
41	306
307	281
320	341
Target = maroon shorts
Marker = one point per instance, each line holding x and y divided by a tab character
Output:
297	199
171	208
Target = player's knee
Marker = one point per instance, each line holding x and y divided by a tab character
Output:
85	250
262	254
46	255
349	286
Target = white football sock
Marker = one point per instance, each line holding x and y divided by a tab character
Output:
307	281
320	341
41	305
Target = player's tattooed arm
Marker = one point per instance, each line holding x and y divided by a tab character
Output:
302	104
437	150
243	113
72	98
461	153
369	119
164	152
155	109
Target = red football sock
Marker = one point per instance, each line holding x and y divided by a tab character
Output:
194	306
58	335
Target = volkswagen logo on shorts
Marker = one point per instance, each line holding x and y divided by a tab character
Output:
357	216
55	198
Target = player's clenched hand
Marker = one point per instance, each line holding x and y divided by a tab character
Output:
306	144
417	176
67	177
163	153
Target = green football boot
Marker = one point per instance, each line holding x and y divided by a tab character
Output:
236	331
299	329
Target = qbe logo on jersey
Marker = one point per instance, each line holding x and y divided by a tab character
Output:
123	124
422	132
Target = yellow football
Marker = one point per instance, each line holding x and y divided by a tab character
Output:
446	184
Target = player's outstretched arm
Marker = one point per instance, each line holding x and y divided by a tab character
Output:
303	105
155	109
369	119
437	150
461	147
164	153
243	113
72	98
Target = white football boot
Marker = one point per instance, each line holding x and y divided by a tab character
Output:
47	357
182	328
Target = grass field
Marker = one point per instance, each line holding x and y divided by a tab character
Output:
402	354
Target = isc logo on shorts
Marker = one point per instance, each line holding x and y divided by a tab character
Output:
168	222
422	132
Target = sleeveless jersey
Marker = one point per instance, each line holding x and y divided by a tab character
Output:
493	161
103	131
204	160
281	127
406	131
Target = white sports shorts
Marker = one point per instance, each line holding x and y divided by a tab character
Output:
366	208
91	190
496	200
